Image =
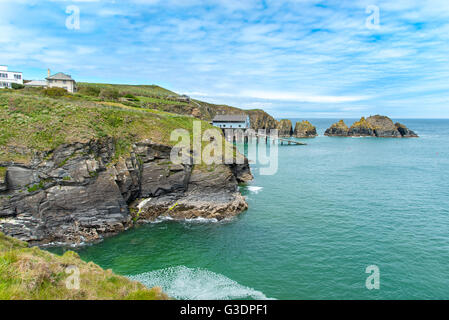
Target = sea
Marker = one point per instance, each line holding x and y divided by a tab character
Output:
341	218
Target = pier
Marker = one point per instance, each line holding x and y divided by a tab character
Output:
249	135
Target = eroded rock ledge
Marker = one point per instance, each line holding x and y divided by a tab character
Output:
80	193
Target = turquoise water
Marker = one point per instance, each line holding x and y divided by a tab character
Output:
334	207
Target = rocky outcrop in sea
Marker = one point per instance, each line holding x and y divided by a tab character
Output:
338	129
285	128
374	126
361	128
304	129
404	131
80	193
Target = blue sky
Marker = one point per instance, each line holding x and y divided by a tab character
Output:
293	58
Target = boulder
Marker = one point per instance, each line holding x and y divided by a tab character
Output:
304	129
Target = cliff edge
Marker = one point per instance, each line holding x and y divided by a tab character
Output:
73	171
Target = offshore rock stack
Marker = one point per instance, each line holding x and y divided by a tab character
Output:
304	129
374	126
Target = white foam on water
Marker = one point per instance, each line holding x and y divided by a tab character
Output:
255	189
196	284
161	219
201	220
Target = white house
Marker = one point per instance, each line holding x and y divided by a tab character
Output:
59	80
232	121
7	78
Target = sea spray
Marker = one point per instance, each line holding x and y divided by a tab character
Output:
196	284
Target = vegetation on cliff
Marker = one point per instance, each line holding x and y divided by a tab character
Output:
30	273
32	121
155	97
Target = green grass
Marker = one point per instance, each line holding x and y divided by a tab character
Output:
2	173
135	90
33	274
161	101
30	122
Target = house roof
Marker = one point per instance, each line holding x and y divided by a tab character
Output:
36	83
230	118
60	76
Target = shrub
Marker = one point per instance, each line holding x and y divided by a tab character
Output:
17	86
129	96
89	91
55	92
109	94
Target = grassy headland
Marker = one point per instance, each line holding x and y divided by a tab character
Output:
41	120
31	273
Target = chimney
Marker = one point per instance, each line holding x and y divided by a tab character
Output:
48	72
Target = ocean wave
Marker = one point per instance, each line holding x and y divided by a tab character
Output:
199	220
255	189
196	284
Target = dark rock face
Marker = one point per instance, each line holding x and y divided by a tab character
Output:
3	184
338	129
405	132
210	195
305	129
285	128
242	172
383	127
78	193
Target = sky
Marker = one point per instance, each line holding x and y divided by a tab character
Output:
292	58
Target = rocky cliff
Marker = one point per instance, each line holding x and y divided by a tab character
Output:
304	129
285	128
80	192
374	126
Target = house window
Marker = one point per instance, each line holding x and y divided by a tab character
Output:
17	76
3	75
